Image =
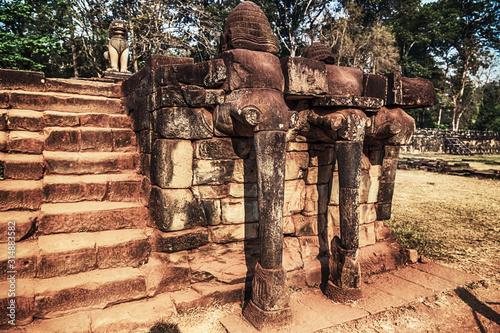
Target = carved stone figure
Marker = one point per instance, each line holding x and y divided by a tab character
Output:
247	27
320	52
117	54
256	107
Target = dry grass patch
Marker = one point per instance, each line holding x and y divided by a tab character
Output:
449	218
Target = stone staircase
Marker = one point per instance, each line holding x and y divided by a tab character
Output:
72	185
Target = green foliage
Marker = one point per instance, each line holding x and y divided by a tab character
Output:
489	110
33	36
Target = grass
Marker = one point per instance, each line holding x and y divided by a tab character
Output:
449	218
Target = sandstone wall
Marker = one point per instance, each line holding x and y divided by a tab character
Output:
432	141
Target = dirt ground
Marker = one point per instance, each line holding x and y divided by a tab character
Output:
450	219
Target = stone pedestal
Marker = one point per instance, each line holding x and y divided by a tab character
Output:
268	307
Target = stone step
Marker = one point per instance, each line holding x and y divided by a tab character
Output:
65	254
53	101
66	163
59	296
69	119
84	87
125	317
23	221
85	139
91	216
22	142
110	187
21	166
20	194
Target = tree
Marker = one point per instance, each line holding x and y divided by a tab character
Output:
488	118
462	31
369	48
34	35
294	21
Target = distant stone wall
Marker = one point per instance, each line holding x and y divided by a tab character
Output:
432	141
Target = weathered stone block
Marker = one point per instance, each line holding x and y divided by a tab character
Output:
319	175
21	80
306	225
210	192
367	214
245	171
316	201
210	74
213	211
169	96
212	171
63	139
120	121
98	288
321	157
124	140
233	233
236	211
334	189
373	190
288	226
344	81
175	209
155	61
181	240
364	186
367	234
94	120
25	302
382	231
24	120
304	77
194	96
417	93
16	194
166	272
4	138
252	69
24	223
25	142
22	166
222	148
98	216
65	254
395	89
334	216
26	254
295	193
184	123
94	139
144	141
375	86
296	165
142	79
243	190
122	248
172	163
141	119
297	146
60	119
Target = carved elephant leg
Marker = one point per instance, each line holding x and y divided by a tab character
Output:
345	272
387	181
269	304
